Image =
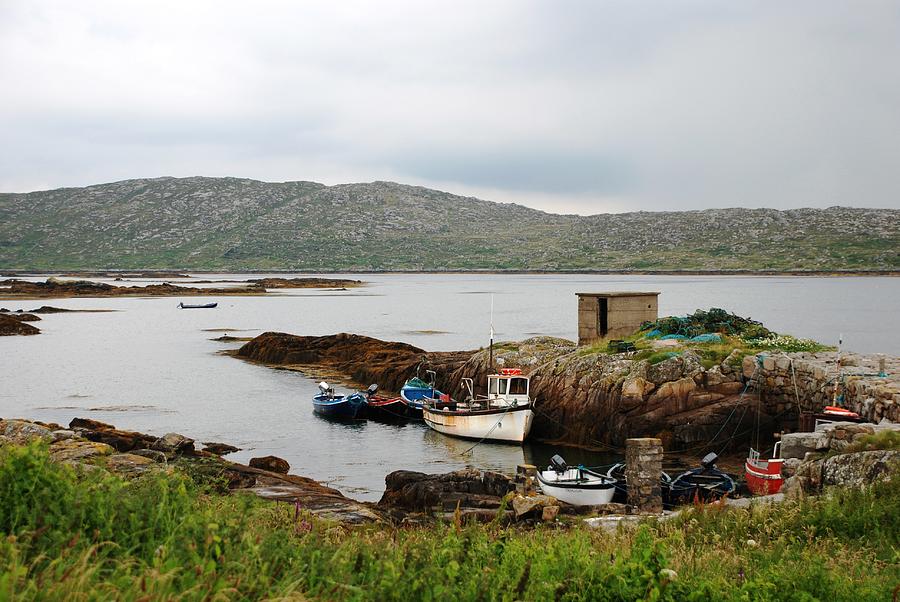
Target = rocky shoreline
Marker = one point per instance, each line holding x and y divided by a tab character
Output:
52	288
589	398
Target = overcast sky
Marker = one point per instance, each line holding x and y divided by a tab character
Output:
565	106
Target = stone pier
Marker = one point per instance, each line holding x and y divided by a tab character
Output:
643	472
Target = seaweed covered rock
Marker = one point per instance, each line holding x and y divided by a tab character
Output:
10	326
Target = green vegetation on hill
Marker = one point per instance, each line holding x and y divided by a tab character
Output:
70	535
239	224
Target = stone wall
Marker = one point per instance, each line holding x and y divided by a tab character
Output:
806	381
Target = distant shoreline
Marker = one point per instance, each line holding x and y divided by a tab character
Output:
168	273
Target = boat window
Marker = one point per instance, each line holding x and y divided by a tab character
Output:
492	386
518	386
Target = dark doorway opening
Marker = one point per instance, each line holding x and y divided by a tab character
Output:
602	318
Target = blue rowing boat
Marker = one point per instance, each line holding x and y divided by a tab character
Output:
326	403
417	393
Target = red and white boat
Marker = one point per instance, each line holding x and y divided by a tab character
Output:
764	476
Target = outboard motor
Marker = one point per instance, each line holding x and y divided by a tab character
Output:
371	390
558	464
325	388
709	460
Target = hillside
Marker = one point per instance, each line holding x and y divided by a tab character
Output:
239	224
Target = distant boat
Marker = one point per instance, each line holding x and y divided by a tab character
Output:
203	306
578	486
327	403
505	414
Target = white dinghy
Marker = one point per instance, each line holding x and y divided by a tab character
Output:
577	486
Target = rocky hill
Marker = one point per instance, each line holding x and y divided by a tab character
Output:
239	224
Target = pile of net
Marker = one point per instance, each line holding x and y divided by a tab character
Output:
703	325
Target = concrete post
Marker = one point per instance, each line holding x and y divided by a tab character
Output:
643	472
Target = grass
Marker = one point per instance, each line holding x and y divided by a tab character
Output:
90	536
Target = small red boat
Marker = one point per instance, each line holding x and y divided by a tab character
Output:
379	406
764	476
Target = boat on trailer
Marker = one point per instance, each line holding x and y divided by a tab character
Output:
577	485
764	476
328	404
504	414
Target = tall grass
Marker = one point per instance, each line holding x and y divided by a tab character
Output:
69	535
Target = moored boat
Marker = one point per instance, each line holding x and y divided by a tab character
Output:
327	403
505	414
416	393
387	408
577	486
704	484
197	306
764	476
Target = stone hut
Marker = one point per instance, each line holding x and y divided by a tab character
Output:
614	314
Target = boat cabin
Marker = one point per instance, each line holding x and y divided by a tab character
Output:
508	386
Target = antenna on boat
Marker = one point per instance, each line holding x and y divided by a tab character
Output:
491	353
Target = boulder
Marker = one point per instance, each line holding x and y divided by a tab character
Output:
22	432
634	389
549	513
151	454
271	463
422	492
674	392
796	445
173	443
122	441
860	468
666	371
61	434
523	505
128	464
78	450
219	449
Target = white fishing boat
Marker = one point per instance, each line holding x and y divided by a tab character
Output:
576	485
504	414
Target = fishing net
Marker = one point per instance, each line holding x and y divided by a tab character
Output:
704	325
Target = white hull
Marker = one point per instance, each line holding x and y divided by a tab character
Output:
569	492
512	425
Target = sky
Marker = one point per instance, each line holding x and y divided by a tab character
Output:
567	106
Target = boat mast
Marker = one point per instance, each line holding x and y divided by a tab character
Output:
491	352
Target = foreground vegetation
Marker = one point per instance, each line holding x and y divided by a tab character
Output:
70	535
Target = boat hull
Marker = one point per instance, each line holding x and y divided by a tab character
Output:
764	478
347	407
510	425
589	493
387	409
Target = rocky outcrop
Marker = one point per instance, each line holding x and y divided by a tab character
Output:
56	288
305	282
271	463
362	359
219	449
581	398
10	326
420	492
81	446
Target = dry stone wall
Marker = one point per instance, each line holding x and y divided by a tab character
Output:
807	381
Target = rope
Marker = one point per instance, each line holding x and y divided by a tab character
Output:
480	441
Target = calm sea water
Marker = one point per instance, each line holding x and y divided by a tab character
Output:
150	367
